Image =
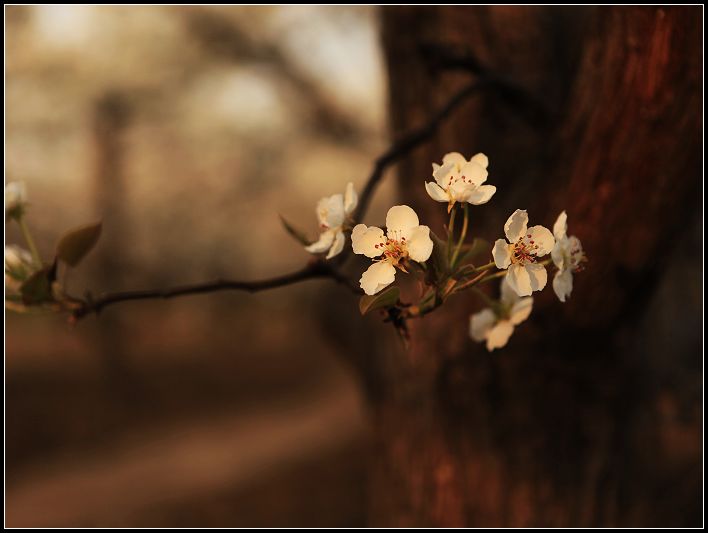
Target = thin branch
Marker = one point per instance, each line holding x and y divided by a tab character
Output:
412	140
526	105
314	270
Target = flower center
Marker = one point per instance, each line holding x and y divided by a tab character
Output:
524	251
454	178
393	250
576	258
323	214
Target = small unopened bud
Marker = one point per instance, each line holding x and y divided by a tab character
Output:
15	199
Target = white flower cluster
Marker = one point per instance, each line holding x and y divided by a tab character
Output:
18	262
520	255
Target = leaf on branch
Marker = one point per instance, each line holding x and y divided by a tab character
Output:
37	288
439	257
295	233
75	244
471	253
386	298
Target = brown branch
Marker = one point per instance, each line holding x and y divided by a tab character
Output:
316	269
525	104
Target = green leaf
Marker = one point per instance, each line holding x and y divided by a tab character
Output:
438	258
37	288
75	244
295	233
386	298
471	253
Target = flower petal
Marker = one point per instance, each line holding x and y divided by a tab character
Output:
350	198
366	239
563	284
18	267
508	295
445	175
436	192
401	219
501	254
560	227
323	244
499	335
519	280
420	245
473	173
377	276
330	211
16	257
481	195
516	225
480	159
481	323
460	190
15	195
559	252
337	245
537	276
454	158
521	310
543	238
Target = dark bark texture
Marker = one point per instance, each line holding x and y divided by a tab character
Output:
591	416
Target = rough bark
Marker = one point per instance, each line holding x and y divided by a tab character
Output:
591	415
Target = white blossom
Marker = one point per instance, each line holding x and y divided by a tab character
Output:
567	255
332	213
495	325
15	198
520	254
459	180
18	267
405	239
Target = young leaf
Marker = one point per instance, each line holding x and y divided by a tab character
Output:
479	249
75	244
439	257
295	233
386	298
37	288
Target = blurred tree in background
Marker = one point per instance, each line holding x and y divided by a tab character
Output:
187	131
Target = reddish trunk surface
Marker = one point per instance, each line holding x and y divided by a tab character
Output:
591	415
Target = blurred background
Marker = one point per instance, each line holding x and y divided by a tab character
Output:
187	131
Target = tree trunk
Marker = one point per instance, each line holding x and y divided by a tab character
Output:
591	415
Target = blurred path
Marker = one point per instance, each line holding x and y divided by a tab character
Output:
108	487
